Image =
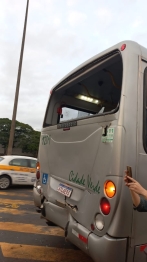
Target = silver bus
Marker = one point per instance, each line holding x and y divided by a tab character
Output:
94	126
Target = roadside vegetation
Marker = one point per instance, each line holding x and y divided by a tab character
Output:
25	137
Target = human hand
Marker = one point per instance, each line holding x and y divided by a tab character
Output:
134	185
126	178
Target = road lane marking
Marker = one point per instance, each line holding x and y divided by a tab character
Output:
43	253
13	205
13	194
30	228
13	211
15	202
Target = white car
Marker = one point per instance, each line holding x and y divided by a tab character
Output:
20	170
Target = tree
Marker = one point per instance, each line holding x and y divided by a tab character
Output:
25	136
30	143
5	125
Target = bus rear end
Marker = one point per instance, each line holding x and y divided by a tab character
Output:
81	157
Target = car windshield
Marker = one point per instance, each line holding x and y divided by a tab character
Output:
1	158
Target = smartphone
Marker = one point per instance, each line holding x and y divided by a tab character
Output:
129	170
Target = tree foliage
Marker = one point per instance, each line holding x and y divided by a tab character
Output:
25	136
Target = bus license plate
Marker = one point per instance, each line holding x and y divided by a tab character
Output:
65	190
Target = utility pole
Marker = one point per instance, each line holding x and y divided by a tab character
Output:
12	131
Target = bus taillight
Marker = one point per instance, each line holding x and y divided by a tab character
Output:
123	47
105	206
38	170
38	174
38	166
109	189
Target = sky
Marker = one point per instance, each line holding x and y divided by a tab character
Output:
60	35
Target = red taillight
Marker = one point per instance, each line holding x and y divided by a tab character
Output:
123	47
105	206
38	174
59	110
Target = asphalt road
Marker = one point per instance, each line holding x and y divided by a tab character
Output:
26	237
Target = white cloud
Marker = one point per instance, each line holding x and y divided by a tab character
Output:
57	21
104	15
76	18
72	2
138	22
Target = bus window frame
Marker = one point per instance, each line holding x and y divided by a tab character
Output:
77	73
145	109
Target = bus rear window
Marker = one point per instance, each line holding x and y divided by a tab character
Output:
92	90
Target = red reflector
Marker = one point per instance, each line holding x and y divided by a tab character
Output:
105	206
59	110
38	174
123	47
142	248
92	227
84	239
66	129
